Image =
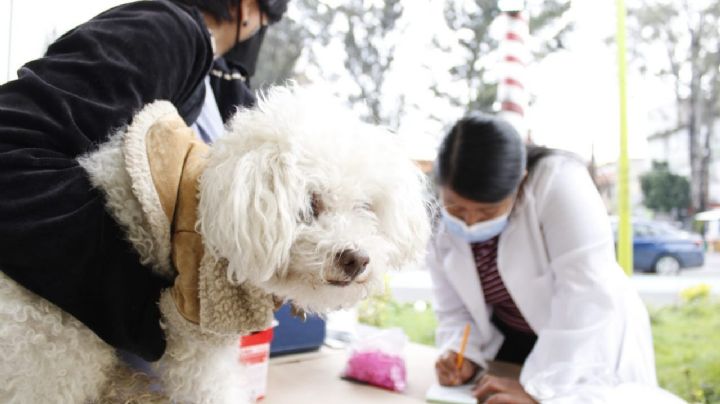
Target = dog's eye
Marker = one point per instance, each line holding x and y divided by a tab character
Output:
317	205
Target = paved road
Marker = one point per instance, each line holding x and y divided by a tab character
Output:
410	286
710	270
660	290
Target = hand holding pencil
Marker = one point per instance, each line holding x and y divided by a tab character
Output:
453	368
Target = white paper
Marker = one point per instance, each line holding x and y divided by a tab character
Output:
452	395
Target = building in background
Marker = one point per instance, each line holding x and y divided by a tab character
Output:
606	177
672	147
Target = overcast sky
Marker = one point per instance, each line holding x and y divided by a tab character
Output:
576	91
578	102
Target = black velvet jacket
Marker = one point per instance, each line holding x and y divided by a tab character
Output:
56	238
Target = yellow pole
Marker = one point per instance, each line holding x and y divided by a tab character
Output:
624	239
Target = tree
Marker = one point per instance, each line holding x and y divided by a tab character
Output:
283	46
370	51
685	34
367	31
471	21
305	24
664	191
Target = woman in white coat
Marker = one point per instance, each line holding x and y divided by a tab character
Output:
524	253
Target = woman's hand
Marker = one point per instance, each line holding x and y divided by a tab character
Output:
448	373
501	390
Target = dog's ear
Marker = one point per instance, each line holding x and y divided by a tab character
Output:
250	193
404	213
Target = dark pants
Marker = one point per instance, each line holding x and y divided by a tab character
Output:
517	344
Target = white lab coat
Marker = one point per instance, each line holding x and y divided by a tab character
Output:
556	258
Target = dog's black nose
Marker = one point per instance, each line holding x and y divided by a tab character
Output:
352	262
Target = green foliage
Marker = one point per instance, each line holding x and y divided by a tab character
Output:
418	320
281	49
673	28
370	51
678	42
664	191
687	358
305	24
697	293
475	22
368	31
546	18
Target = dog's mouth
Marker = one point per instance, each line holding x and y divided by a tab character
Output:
346	282
339	283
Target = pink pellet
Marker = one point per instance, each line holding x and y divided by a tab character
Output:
377	368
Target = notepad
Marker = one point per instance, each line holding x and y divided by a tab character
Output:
451	395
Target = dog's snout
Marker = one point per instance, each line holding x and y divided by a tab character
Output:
353	262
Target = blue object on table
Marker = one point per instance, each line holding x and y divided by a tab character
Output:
292	335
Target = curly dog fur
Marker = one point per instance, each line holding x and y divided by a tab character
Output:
299	199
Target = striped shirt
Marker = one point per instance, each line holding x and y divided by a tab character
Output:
496	295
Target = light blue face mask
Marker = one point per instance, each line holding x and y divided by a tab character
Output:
478	232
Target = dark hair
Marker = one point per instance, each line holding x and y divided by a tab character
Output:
220	9
483	158
536	153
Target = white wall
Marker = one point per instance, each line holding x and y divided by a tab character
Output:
672	149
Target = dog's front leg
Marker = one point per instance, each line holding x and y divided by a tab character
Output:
197	367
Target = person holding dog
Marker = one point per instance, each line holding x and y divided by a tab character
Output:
56	237
523	252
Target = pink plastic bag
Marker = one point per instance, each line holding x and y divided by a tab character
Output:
378	360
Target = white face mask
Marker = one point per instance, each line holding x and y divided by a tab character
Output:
478	232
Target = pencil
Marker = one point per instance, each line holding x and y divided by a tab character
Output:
463	344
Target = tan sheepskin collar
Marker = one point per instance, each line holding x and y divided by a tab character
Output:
201	291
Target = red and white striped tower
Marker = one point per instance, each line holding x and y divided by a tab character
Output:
512	94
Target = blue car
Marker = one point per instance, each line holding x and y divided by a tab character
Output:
661	248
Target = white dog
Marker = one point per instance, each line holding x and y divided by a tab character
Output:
298	202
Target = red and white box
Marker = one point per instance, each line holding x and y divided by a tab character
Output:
255	356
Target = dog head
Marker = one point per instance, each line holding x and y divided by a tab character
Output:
310	204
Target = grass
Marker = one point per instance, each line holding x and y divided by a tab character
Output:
687	349
417	320
686	337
